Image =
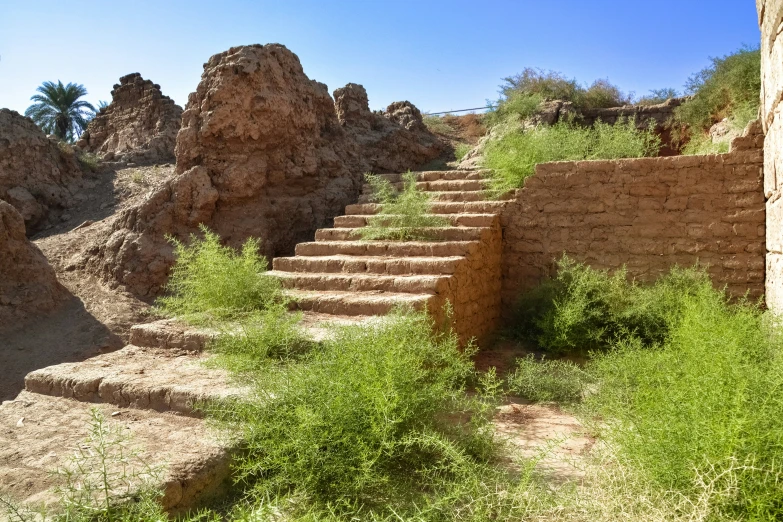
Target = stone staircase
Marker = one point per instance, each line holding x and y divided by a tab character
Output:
148	389
340	274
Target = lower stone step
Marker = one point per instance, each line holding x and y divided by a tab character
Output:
38	434
439	185
434	234
463	220
357	303
435	175
149	378
369	264
437	207
169	333
387	248
414	284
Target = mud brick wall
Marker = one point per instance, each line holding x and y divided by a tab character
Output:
770	19
647	214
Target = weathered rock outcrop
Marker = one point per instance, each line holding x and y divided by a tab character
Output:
260	153
139	125
393	141
35	173
28	285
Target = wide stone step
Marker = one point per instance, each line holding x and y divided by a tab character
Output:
135	377
369	264
441	185
458	196
433	234
465	220
436	175
324	282
467	207
169	333
387	248
357	303
40	433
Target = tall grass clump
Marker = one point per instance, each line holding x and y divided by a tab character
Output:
555	380
583	309
514	156
702	407
404	215
377	417
461	150
211	282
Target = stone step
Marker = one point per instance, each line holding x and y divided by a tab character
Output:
39	434
433	234
458	196
465	220
357	303
324	282
441	185
467	207
136	377
369	264
435	175
168	333
387	248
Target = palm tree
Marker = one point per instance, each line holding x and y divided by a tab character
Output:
59	111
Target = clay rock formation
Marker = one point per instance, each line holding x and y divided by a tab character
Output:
260	153
140	124
35	172
28	285
393	141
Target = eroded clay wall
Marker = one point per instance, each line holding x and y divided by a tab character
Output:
770	19
647	214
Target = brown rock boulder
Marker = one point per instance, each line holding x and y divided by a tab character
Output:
260	153
28	285
36	173
139	125
393	141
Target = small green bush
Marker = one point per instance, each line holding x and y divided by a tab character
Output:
703	407
212	282
369	419
404	215
461	150
437	124
657	96
513	157
583	309
89	161
548	380
729	86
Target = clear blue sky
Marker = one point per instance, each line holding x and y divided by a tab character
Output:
441	55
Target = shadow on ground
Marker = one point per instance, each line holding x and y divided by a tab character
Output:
68	334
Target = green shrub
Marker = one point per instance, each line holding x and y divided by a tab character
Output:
437	124
212	282
583	309
657	96
404	215
548	380
372	418
89	161
729	86
517	106
513	157
550	85
262	340
704	407
461	150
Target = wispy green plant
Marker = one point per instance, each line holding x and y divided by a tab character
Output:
546	380
211	282
583	309
514	156
403	215
706	402
89	161
461	150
